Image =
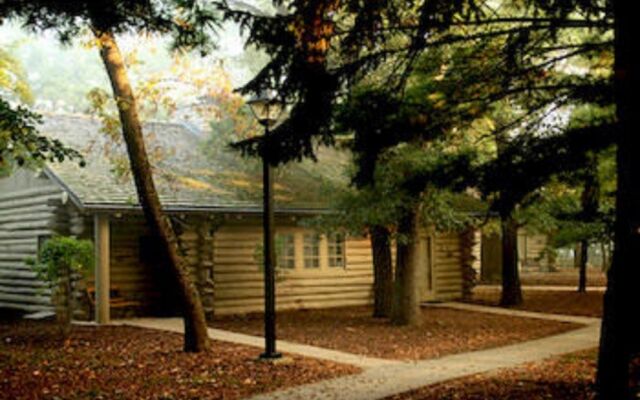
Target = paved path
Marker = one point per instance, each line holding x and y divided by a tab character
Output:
382	378
518	313
175	325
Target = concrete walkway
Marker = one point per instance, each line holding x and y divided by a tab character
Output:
574	319
382	378
175	325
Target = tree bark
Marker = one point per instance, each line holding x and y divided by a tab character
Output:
195	328
406	301
577	254
551	260
590	203
619	334
511	291
605	256
584	258
382	271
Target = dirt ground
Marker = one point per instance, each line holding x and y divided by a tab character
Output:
133	363
563	277
554	302
352	329
567	377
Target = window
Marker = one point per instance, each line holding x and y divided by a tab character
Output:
286	251
311	250
42	240
336	250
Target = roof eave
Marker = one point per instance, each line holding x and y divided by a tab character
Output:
75	199
192	209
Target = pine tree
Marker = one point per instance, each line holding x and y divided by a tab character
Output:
189	24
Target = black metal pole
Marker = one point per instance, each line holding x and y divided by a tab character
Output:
269	261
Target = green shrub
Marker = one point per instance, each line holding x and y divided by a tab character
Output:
59	260
61	255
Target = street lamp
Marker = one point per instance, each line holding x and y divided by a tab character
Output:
267	111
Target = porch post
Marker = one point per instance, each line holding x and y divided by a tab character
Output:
102	268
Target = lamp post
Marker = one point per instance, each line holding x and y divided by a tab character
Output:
267	110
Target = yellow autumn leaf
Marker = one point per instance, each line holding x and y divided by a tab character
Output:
490	123
436	96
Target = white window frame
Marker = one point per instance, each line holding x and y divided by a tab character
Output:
336	250
312	261
286	261
299	263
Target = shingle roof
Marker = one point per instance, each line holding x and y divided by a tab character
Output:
190	172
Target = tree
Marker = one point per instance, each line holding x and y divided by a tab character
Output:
511	294
380	238
576	207
59	261
196	336
540	35
393	54
590	204
20	142
13	79
619	331
188	23
398	142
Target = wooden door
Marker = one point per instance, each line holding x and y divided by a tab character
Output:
427	268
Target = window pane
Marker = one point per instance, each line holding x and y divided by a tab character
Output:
286	251
311	250
336	250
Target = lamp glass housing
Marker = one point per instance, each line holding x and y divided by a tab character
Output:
267	110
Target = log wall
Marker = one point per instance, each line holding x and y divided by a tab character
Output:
225	252
239	276
139	279
29	204
447	266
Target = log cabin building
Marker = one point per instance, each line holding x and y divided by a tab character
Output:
213	197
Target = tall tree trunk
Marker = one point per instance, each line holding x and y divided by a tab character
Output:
406	300
382	271
605	256
619	334
577	254
590	203
195	335
511	290
552	258
584	258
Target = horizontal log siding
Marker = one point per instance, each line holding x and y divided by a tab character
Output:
476	252
137	281
28	210
447	266
133	279
239	278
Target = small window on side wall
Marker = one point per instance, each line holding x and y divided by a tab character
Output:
42	240
285	246
336	250
311	250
